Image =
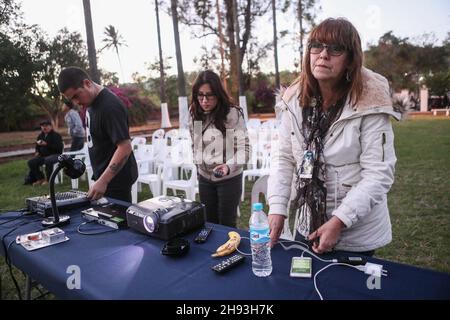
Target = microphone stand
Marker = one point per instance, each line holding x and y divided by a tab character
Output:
56	220
74	169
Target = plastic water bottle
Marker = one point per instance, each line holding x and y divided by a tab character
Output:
259	240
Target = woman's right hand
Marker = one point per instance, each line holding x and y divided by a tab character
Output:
276	224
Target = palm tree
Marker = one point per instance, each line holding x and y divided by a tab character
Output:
92	55
181	81
300	20
275	48
222	50
161	64
182	98
114	40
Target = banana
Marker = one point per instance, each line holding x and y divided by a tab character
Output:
229	246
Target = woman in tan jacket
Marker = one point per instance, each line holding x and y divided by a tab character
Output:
221	148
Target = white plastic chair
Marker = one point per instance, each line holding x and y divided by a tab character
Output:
158	134
253	123
270	124
59	177
153	180
259	168
171	137
259	187
158	142
137	141
188	186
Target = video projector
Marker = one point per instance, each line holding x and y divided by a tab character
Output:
166	217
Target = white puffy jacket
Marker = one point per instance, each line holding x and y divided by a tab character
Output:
359	159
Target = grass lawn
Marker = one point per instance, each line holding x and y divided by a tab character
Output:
419	201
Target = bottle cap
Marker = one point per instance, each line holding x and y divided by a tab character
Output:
257	206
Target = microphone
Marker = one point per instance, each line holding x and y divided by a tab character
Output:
73	168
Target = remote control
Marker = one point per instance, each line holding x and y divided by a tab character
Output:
229	263
204	233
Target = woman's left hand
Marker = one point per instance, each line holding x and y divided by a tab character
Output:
328	235
222	168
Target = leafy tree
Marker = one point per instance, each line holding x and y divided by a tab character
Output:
404	63
207	59
109	78
66	49
203	20
9	11
16	79
439	83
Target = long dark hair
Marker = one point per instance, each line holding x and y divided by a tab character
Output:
224	102
342	32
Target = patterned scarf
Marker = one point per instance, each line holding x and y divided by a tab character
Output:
311	192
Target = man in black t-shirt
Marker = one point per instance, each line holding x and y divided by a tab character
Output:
108	138
49	145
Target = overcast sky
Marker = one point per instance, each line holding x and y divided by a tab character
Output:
135	20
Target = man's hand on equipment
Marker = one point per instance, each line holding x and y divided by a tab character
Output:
97	190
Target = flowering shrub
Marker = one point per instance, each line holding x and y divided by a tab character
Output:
264	98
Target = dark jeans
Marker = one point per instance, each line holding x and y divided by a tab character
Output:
221	199
299	237
36	163
122	193
77	143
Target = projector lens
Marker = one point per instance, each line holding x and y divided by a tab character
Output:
149	224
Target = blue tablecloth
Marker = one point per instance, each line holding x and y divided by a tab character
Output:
128	265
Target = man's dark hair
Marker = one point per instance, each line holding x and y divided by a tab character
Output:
71	77
45	122
68	103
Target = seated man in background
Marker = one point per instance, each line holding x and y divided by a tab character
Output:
49	146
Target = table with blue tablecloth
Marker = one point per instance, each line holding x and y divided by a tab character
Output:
125	264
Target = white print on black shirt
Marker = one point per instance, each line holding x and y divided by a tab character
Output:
88	131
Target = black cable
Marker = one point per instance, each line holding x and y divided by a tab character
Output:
13	210
93	233
1	291
24	214
16	284
11	220
7	260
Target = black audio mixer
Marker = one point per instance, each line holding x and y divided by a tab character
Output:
64	201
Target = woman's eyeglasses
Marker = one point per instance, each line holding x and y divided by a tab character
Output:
208	96
332	49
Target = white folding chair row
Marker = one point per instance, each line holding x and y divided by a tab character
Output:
166	175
